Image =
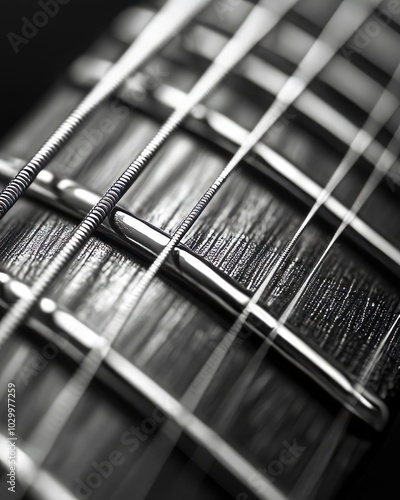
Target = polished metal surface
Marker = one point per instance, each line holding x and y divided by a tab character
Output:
193	272
215	126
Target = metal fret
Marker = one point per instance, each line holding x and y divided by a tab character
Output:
217	127
145	239
263	75
290	43
193	272
57	325
363	89
377	38
215	124
268	77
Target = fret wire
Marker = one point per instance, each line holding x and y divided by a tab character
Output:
286	100
136	380
165	25
226	128
378	117
216	124
192	271
308	103
85	336
297	36
114	361
333	75
254	68
315	59
374	52
258	23
380	170
328	446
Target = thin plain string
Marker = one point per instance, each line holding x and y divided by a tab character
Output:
380	170
307	488
379	116
167	23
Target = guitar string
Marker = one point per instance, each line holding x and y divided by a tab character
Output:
167	23
259	22
202	381
328	446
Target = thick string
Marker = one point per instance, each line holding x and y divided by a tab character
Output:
166	24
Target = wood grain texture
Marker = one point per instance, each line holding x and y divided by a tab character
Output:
351	303
170	338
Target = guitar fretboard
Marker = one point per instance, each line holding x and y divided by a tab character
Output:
343	315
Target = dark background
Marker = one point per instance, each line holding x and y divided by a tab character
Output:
27	75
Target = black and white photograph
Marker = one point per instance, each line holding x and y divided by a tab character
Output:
200	250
